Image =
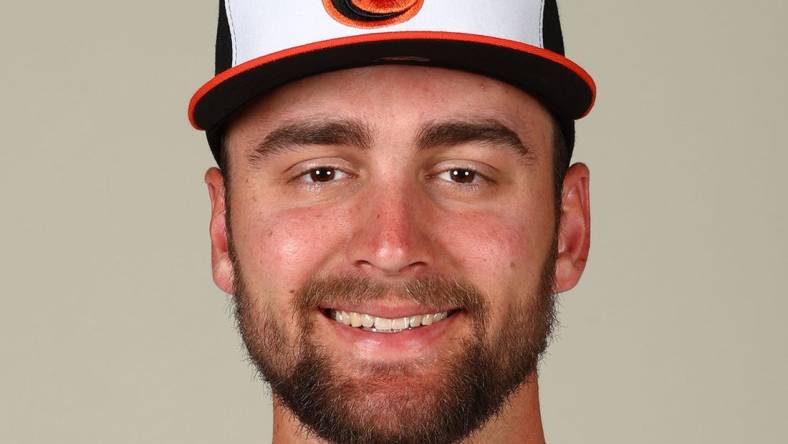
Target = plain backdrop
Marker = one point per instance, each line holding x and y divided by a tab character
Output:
111	330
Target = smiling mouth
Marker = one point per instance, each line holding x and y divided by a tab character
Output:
379	324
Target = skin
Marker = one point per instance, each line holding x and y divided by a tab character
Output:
397	214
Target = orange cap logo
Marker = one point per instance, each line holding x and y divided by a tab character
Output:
372	13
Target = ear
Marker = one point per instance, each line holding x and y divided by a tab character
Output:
221	264
574	235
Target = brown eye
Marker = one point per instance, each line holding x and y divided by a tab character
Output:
322	174
464	179
462	175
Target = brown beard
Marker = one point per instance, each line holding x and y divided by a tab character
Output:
397	403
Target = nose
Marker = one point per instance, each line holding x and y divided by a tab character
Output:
391	234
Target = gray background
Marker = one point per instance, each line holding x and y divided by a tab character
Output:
111	329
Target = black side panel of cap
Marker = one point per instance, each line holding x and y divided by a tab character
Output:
224	61
224	44
552	37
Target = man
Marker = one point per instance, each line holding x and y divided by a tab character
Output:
394	210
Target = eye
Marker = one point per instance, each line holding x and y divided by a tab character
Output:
466	177
323	174
317	177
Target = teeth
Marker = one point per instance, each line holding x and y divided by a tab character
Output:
364	320
342	317
400	324
355	319
382	324
367	321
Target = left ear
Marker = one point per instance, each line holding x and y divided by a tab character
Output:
222	266
574	235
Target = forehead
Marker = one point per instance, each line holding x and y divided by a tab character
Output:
393	98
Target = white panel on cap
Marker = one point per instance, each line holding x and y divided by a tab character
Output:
261	27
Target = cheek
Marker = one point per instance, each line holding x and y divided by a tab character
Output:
279	250
502	253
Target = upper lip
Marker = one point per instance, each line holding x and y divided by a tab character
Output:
387	309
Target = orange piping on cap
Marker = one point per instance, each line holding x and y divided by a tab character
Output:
389	36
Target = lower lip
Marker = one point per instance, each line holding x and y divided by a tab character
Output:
388	346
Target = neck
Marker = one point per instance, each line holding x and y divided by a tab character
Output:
520	421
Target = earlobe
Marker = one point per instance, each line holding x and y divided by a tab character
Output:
574	237
221	264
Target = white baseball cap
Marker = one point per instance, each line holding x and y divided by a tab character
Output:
263	44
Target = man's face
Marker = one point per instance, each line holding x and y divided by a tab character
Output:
417	202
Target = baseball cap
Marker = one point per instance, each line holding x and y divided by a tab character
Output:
263	44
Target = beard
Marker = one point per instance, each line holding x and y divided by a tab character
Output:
438	400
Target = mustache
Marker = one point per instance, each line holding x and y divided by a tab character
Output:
431	291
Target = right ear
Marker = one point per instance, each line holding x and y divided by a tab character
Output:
221	264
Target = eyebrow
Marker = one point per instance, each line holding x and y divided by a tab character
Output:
295	135
457	132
